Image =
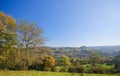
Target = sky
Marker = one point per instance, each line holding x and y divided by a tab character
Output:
70	23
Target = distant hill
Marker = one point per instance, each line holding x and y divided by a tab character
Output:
83	51
110	50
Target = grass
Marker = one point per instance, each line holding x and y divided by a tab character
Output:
39	73
88	66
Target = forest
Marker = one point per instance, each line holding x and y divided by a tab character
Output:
22	49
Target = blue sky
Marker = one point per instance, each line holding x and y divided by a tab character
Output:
70	22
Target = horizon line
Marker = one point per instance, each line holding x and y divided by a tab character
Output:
81	46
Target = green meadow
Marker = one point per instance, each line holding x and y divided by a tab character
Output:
39	73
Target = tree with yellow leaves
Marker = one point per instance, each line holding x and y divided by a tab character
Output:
48	63
8	38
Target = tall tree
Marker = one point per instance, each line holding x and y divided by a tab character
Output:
30	36
8	38
8	29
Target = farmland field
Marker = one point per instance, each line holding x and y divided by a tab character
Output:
39	73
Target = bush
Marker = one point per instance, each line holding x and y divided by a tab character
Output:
111	71
35	66
72	69
64	69
46	63
47	69
98	69
79	69
87	70
57	69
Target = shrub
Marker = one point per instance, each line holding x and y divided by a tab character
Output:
57	69
35	66
98	69
111	71
48	63
79	69
72	69
47	69
64	69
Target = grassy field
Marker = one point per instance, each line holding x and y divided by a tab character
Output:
102	65
39	73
